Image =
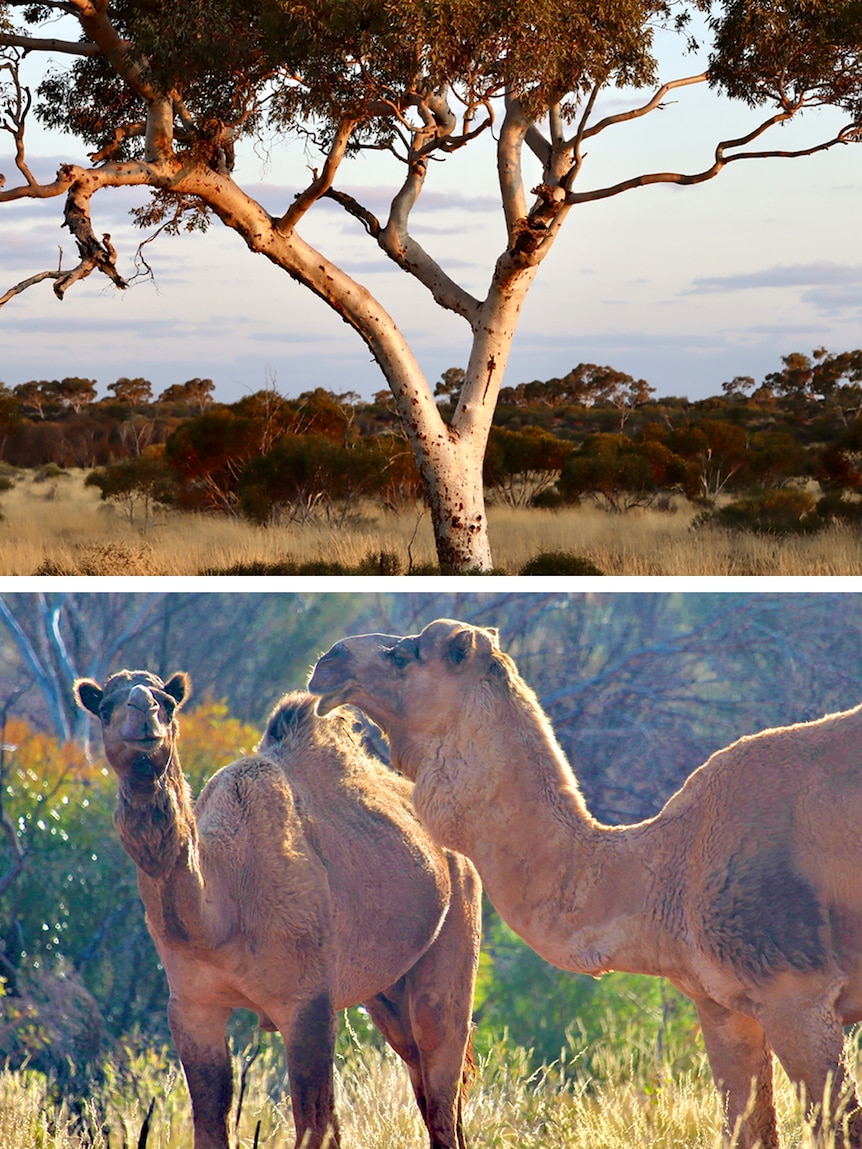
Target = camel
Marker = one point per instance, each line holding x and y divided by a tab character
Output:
300	883
745	890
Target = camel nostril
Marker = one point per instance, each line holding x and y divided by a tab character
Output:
141	699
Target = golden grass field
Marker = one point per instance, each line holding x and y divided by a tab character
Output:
627	1101
59	526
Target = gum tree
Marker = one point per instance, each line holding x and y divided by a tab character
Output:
165	94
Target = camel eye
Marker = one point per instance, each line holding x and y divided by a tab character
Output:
166	700
106	709
403	653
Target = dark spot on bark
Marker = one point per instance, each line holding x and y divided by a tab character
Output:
764	916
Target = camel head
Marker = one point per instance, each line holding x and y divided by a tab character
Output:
414	684
136	711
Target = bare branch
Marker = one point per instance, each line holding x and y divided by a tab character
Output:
121	133
401	247
35	44
577	142
25	283
321	184
514	132
352	206
849	134
15	114
650	106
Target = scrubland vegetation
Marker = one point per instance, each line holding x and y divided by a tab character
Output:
53	524
587	474
632	1094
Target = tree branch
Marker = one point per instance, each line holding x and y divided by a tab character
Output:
849	134
353	207
25	283
35	44
321	184
649	106
515	129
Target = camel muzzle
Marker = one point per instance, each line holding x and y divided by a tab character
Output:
335	672
143	729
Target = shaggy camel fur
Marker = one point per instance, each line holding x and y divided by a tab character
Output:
300	883
745	890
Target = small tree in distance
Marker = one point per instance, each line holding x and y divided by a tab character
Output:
164	96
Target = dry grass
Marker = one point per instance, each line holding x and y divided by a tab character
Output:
629	1101
61	527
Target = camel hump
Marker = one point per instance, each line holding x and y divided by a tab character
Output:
292	718
295	721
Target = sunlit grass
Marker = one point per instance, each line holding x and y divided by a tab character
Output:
627	1098
59	526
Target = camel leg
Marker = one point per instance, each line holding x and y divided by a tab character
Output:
309	1043
434	1051
440	1003
741	1063
808	1039
199	1035
390	1014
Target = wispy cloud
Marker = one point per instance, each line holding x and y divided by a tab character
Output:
820	274
832	289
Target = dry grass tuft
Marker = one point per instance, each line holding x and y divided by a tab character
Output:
628	1099
59	526
510	1107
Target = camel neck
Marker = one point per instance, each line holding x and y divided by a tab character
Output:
157	827
571	887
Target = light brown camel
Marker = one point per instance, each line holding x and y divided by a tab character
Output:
745	890
300	883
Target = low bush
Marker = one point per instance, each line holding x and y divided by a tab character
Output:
778	512
374	563
835	507
559	563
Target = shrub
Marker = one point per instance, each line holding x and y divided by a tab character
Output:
780	512
374	563
835	507
116	558
49	471
559	563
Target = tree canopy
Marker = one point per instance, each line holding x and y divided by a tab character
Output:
164	97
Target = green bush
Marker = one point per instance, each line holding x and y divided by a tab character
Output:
559	563
779	512
835	507
374	563
49	471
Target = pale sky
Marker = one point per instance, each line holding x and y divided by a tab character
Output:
685	287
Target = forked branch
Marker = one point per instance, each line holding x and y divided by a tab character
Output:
851	133
31	282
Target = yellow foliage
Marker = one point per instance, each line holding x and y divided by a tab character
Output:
209	738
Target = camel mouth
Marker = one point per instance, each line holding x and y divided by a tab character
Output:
330	681
145	743
328	702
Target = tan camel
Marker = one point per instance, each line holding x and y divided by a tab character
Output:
300	883
745	890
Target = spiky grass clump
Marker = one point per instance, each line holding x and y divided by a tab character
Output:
628	1096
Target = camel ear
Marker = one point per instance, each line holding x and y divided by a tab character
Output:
179	686
467	645
88	694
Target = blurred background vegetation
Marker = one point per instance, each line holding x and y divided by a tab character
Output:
641	688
